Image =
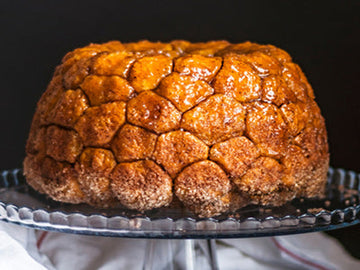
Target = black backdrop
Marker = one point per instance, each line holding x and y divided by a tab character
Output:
322	36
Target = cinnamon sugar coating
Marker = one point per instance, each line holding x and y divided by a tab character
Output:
93	169
237	79
235	155
153	112
215	125
133	143
263	181
99	124
204	187
141	185
216	119
62	144
266	127
68	109
177	149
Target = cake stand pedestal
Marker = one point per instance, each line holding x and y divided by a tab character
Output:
180	254
176	238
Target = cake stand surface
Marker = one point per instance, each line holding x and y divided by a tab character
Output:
20	204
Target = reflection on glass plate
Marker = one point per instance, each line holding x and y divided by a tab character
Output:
20	204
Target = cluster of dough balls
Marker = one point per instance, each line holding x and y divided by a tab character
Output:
214	125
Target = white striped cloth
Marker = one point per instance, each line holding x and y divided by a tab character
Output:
23	248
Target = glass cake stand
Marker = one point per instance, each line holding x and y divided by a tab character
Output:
20	204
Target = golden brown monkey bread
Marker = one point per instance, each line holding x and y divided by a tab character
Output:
155	67
133	143
213	126
177	149
197	66
204	188
184	91
262	181
68	109
216	119
57	179
238	80
99	124
235	155
266	127
141	185
112	63
62	144
153	112
104	89
94	168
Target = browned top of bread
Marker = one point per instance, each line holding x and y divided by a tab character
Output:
131	122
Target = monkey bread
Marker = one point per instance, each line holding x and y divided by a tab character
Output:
215	126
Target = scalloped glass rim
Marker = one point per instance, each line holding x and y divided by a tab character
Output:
20	204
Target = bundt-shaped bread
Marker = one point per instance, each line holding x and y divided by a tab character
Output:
217	125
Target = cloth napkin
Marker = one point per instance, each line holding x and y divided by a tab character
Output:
24	248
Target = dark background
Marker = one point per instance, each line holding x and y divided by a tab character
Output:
321	36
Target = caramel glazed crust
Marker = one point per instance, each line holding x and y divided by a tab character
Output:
216	125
